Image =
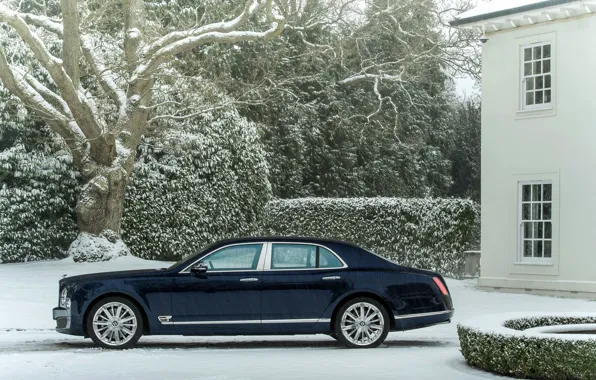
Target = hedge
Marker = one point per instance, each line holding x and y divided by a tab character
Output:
191	186
425	233
501	345
37	197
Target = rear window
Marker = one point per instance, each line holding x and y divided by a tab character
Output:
302	256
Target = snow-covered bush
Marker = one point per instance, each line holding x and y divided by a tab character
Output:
37	196
426	233
104	247
504	344
194	185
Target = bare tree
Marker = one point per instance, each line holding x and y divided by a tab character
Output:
103	146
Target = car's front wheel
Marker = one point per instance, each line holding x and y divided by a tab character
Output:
115	322
362	323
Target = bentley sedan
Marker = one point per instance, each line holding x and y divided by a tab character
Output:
257	286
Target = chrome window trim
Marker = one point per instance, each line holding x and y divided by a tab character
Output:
419	315
260	264
268	268
163	321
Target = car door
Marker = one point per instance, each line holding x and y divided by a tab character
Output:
298	284
225	299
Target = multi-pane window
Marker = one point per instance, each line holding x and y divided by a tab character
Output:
536	220
537	75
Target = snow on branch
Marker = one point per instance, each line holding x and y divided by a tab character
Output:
42	22
104	75
27	90
353	79
227	33
81	108
251	7
47	94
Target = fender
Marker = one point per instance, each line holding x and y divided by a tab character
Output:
331	308
105	289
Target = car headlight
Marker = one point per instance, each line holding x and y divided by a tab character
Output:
67	303
63	298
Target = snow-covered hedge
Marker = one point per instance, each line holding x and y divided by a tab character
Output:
523	346
195	185
426	233
37	197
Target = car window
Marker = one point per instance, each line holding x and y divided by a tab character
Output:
237	257
302	256
328	259
293	256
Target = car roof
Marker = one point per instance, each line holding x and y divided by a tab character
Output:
299	239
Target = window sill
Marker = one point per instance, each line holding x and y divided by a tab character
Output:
535	263
536	109
535	112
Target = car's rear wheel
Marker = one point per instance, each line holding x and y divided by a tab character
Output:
115	322
362	323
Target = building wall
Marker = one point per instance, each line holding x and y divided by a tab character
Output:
557	145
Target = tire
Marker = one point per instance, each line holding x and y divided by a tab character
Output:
115	323
354	331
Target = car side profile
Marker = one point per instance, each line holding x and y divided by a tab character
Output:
257	286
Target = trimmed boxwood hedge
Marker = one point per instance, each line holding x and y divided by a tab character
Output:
425	233
506	350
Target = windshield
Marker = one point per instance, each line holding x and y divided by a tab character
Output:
191	257
183	260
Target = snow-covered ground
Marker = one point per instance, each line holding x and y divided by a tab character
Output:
29	348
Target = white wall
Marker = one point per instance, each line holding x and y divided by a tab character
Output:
557	145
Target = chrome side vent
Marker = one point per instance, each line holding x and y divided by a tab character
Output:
164	318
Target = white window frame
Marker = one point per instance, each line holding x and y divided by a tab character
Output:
520	233
522	90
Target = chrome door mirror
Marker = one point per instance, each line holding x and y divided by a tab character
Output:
199	268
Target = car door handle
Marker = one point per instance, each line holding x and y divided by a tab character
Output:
331	278
249	279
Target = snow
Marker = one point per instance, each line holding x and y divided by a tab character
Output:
29	291
87	247
496	6
581	328
29	348
494	323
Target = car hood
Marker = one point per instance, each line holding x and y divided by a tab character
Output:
111	275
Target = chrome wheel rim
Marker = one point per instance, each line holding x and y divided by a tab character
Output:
362	324
114	324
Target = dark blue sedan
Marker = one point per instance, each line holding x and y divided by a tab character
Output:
257	286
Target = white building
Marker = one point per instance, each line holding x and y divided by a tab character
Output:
538	145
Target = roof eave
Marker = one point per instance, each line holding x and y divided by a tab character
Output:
509	12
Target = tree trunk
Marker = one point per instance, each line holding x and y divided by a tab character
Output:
101	202
99	214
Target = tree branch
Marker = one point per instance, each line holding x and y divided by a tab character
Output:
105	77
61	124
45	92
353	79
187	43
71	50
133	19
250	8
77	102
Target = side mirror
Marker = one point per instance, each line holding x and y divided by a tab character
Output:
199	268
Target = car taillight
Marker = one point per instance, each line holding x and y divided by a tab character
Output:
441	286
